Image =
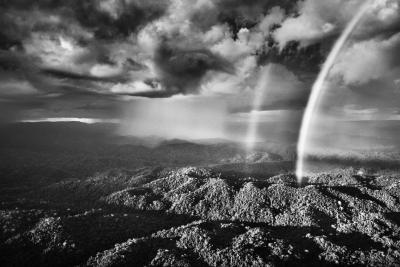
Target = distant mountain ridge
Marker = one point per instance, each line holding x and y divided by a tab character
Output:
75	150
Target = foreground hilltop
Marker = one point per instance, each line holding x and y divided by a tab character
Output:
201	217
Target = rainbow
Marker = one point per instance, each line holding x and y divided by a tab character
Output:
318	86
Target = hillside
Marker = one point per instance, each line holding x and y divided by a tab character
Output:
200	217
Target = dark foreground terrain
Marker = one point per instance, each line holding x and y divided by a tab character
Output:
79	195
200	217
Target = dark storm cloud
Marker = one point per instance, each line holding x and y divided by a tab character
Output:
6	42
72	54
152	94
122	20
81	52
93	24
61	74
183	69
133	65
295	58
242	13
256	6
20	68
106	19
10	61
90	26
238	13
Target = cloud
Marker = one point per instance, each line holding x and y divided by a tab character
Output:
244	14
280	87
243	52
117	45
54	51
65	76
137	88
320	19
69	58
273	87
16	88
368	60
317	19
105	70
228	84
77	36
106	19
181	70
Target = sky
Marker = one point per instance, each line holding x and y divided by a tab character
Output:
180	68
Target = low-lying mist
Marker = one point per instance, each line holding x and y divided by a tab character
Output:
368	143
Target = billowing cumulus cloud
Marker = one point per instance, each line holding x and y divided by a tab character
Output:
369	60
318	19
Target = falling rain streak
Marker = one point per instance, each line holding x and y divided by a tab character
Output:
254	120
